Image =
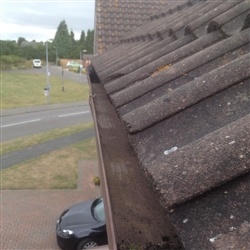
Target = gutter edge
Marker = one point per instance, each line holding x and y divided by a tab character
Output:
105	192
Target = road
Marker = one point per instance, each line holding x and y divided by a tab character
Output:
19	125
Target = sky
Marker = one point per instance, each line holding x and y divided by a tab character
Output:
39	19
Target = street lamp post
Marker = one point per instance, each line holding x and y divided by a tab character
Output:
81	63
62	80
80	66
56	56
47	72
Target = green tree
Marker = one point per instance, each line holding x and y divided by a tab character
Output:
9	48
89	44
20	40
62	40
72	38
82	38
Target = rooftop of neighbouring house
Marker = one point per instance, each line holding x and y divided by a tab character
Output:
114	18
180	85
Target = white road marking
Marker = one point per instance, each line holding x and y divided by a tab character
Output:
14	124
74	114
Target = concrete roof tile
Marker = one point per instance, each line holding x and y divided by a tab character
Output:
184	102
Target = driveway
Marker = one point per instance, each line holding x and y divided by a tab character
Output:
28	217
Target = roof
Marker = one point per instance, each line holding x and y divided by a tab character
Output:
114	18
25	43
180	85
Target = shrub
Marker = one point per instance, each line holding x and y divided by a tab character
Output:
11	59
12	62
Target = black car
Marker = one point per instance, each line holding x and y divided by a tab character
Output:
82	226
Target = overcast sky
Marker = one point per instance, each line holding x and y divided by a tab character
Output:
39	20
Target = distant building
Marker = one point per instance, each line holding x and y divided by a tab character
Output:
25	43
86	60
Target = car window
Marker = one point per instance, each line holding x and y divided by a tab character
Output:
98	210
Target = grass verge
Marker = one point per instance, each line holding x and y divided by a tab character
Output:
23	90
56	170
31	140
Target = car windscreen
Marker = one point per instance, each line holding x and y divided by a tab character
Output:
98	210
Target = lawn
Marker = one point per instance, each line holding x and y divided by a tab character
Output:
23	90
56	170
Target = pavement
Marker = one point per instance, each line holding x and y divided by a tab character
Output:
28	217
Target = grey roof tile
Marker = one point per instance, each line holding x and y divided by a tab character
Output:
203	164
170	56
186	65
117	65
191	124
191	14
187	95
128	56
225	21
223	212
180	84
197	26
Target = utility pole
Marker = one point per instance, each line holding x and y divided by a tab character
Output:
48	74
81	63
56	62
80	66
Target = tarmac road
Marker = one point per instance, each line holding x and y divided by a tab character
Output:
44	118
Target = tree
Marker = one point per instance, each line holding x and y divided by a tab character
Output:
82	38
9	48
72	38
89	44
20	40
62	40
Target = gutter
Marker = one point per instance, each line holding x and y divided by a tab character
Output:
104	186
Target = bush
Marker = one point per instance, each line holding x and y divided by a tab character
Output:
11	59
77	70
11	62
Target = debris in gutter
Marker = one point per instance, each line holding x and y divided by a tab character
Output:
170	150
212	240
185	221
